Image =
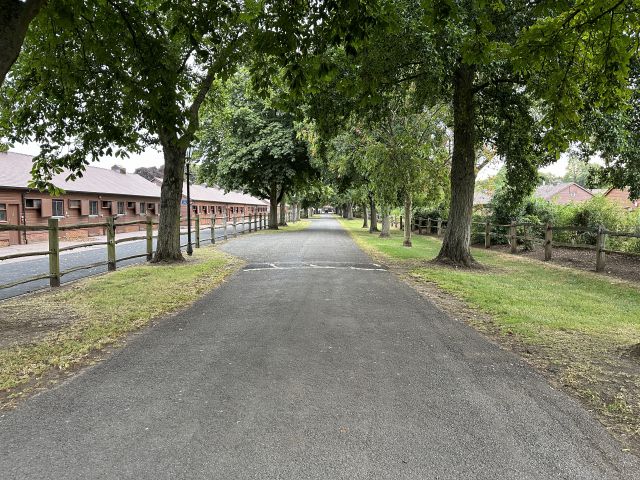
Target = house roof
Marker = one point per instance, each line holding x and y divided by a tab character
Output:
15	172
213	194
482	198
547	192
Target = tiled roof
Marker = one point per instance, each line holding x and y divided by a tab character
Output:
214	194
547	192
15	172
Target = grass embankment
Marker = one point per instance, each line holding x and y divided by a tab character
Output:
81	319
579	328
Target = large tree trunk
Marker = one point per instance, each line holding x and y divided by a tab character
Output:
407	220
273	211
373	225
350	211
456	245
283	214
386	223
168	249
15	17
365	222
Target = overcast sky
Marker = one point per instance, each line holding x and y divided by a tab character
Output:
153	158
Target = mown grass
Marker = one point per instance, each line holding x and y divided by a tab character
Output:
104	309
579	324
291	227
526	296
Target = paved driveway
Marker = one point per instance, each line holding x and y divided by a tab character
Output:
312	363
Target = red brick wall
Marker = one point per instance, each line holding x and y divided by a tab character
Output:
622	197
571	194
76	214
220	208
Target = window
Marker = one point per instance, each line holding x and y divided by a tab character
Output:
93	207
220	210
150	206
143	210
33	203
106	204
74	203
131	205
195	208
3	212
204	209
120	208
57	208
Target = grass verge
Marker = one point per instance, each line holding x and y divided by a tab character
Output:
291	227
580	329
85	317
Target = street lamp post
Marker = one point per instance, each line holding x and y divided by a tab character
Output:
189	246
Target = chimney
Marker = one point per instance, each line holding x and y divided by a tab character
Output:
119	169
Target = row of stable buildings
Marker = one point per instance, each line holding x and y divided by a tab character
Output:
98	194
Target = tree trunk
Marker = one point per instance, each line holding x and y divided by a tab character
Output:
407	220
456	245
350	211
386	225
365	221
373	225
168	248
273	210
15	17
283	214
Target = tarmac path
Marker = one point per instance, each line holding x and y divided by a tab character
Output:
310	363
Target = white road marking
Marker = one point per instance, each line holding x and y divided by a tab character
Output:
312	267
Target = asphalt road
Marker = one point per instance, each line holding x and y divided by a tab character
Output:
311	363
29	267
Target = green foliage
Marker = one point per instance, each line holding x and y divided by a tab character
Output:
251	145
102	78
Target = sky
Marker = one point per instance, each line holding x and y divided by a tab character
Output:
153	158
149	158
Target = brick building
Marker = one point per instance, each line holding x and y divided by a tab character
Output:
98	194
621	197
563	193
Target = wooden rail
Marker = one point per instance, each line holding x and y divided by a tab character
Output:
529	236
53	228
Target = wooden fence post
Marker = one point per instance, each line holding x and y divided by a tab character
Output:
197	230
401	222
439	226
213	230
548	242
111	243
512	237
224	224
235	226
54	253
487	235
149	222
249	223
429	226
255	222
600	247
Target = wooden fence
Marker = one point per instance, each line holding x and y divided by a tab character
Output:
238	224
530	234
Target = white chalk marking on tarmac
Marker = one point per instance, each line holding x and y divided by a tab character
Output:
312	267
